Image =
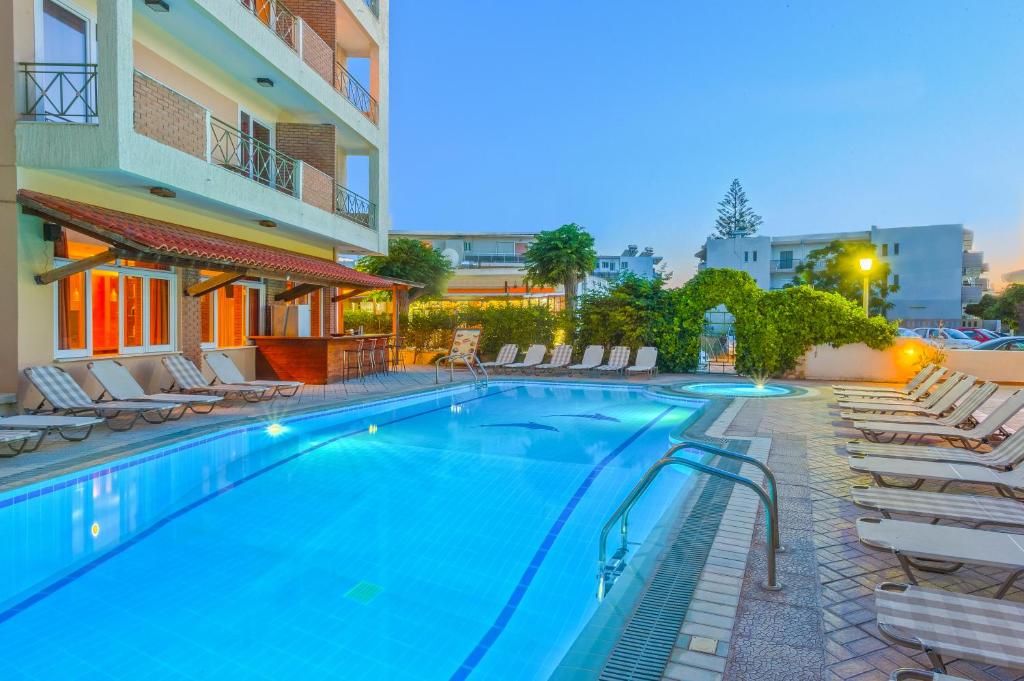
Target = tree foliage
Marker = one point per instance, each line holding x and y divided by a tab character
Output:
1006	306
561	256
430	326
836	268
735	216
411	260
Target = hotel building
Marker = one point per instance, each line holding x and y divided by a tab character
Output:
176	171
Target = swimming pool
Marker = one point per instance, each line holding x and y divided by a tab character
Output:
736	389
441	536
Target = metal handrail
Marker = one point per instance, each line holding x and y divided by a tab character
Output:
242	153
468	360
278	18
356	208
60	91
621	514
352	90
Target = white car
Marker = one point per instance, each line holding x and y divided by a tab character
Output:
946	338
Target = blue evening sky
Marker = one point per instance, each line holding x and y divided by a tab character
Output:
631	118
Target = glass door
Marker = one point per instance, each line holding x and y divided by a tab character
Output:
64	81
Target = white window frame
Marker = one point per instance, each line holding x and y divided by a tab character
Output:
90	29
146	275
248	285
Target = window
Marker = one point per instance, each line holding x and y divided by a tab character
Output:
746	256
785	260
624	266
895	280
113	310
885	249
755	256
467	246
896	248
229	315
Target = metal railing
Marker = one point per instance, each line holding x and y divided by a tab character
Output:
492	258
786	265
59	92
356	208
352	90
469	361
608	570
374	6
238	152
277	18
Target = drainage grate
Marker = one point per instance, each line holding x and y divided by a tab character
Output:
646	643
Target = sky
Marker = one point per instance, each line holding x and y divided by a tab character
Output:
631	119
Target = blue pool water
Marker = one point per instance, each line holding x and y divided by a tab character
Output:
444	536
735	389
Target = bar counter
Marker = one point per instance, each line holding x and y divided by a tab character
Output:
314	360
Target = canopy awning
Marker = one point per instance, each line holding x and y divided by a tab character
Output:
141	238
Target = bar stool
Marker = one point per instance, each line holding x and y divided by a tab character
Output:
380	351
352	364
397	356
370	352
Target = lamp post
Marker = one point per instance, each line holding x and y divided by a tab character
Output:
865	266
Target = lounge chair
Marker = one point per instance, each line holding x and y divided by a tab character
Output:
942	399
560	358
66	398
943	548
1003	456
962	414
646	362
916	395
18	441
592	358
68	427
119	384
879	468
945	625
534	356
905	390
992	427
226	371
975	510
618	360
186	378
907	674
506	355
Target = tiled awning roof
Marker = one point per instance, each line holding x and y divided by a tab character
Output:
141	238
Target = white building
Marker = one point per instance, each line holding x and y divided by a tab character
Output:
632	260
934	266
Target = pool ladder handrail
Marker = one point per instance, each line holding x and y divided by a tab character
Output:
469	360
769	498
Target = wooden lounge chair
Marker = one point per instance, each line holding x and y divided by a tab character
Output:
506	355
976	510
592	358
227	372
1004	455
1007	483
68	427
560	358
534	356
618	360
943	548
119	384
961	416
937	403
919	392
18	441
905	390
66	398
646	362
186	378
945	625
986	431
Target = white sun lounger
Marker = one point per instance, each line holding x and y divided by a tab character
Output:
905	390
592	358
618	360
961	415
946	625
975	510
506	355
1004	455
119	384
943	548
646	362
918	472
534	356
186	378
18	441
68	427
66	398
226	371
560	358
915	395
937	403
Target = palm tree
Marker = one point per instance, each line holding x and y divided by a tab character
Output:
561	256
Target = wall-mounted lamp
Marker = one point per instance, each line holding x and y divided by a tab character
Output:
163	192
158	5
51	231
268	223
264	82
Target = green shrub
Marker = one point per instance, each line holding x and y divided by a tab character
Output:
430	326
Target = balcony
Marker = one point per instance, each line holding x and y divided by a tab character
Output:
59	93
974	260
492	259
970	294
786	265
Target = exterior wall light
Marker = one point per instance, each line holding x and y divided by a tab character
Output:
158	5
163	192
865	266
268	223
264	82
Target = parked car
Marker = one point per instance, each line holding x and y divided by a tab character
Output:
1011	343
905	333
946	338
980	335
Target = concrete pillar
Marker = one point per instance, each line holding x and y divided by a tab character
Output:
189	324
8	207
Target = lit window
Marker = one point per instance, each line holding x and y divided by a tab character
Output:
229	315
71	314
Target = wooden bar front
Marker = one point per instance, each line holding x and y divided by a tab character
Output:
315	360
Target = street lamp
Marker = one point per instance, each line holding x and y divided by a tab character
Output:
865	266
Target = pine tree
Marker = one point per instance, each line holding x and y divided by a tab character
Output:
735	216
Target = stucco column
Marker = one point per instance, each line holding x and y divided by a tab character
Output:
8	208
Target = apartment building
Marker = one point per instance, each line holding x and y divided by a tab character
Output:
632	261
935	266
172	170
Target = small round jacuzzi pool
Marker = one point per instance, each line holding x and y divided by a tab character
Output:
736	389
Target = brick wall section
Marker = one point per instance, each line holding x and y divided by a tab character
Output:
317	188
168	117
188	313
318	55
318	35
310	142
330	311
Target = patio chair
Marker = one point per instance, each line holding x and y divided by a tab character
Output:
992	427
186	378
1003	456
907	674
560	358
975	510
68	427
905	390
942	399
66	398
962	414
945	625
534	356
1006	482
227	372
119	384
592	358
646	362
618	360
506	355
944	549
917	394
18	441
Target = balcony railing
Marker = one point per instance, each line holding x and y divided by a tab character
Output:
785	265
59	92
277	18
356	208
238	152
482	259
354	92
374	6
